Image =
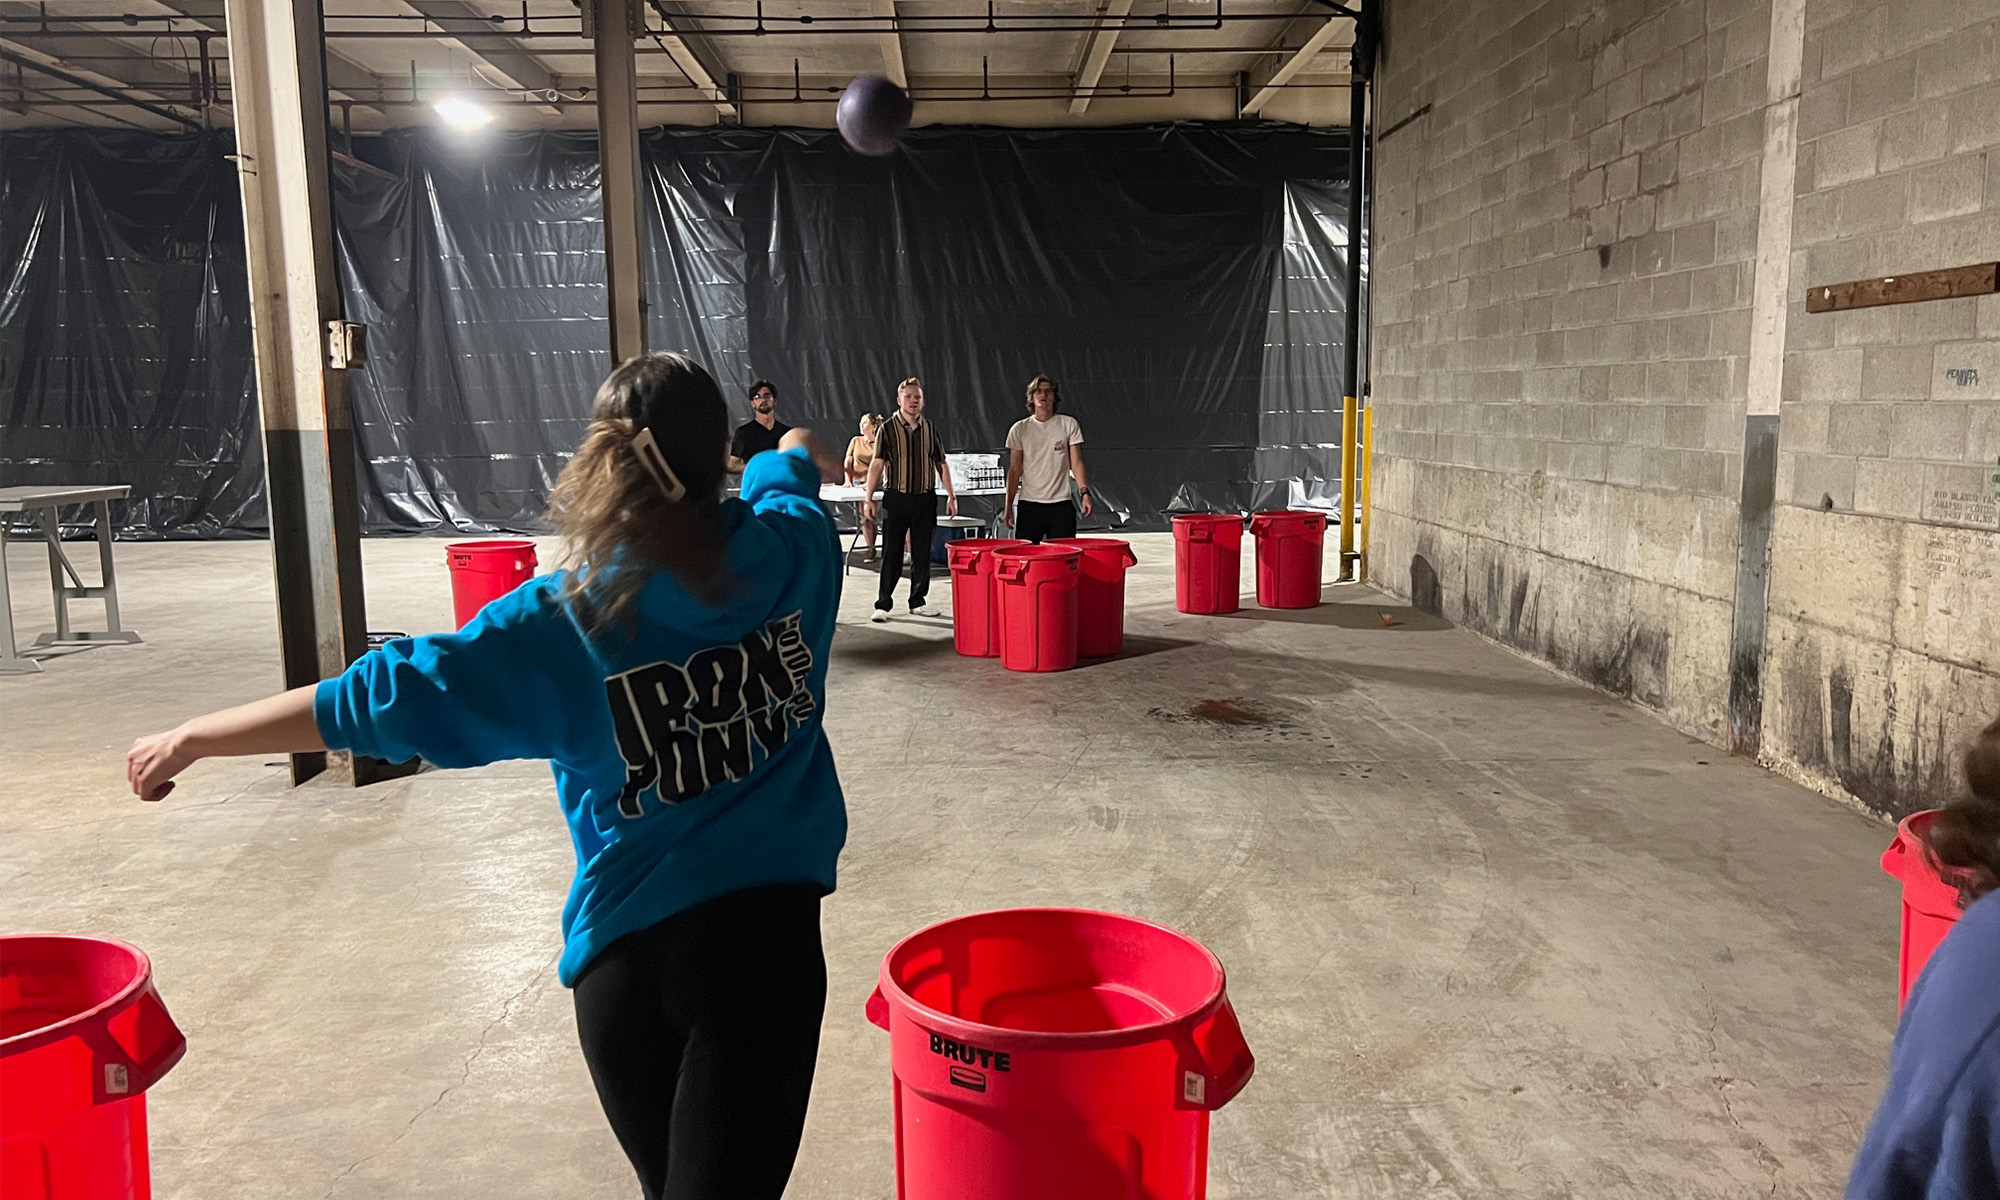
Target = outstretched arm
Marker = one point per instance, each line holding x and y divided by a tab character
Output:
280	724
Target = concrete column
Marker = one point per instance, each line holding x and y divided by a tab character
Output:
615	25
1768	306
278	91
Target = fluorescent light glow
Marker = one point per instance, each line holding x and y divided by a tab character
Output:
463	114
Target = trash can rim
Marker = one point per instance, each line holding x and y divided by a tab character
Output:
34	1039
1028	1039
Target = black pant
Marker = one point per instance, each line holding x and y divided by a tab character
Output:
701	1033
1034	522
914	513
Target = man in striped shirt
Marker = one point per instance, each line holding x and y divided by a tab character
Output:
909	461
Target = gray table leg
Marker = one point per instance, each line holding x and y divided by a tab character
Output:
52	533
69	586
11	662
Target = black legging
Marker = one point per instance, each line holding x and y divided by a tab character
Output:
701	1034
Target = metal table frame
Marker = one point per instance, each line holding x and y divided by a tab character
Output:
64	581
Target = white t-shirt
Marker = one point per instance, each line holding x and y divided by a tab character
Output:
1044	447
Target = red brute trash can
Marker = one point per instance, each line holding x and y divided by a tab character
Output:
1036	589
1208	568
482	572
82	1036
1056	1054
1100	593
1930	905
1290	549
975	610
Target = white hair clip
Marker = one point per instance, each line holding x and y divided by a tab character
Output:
648	452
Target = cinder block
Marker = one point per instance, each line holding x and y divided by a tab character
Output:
1822	110
1846	155
1648	425
1625	465
1673	293
1816	215
1666	381
1621	179
1951	65
1823	376
1588	191
1896	372
1948	189
1888	488
1707	472
1685	426
1659	166
1664	76
1593	387
1936	320
1635	216
1882	88
1861	430
1612	424
1975	119
1682	114
1852	43
1930	430
1960	494
1877	204
1917	135
1694	246
1817	479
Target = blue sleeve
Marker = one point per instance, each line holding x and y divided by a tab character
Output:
787	481
517	682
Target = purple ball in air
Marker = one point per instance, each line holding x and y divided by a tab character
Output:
872	115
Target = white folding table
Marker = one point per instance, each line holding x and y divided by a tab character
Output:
64	581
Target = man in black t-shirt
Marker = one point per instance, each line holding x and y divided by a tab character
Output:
762	432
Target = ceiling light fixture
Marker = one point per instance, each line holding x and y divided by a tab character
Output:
460	113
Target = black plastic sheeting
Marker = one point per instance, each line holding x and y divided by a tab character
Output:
1181	282
125	352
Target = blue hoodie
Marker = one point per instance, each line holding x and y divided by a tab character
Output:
690	753
1936	1135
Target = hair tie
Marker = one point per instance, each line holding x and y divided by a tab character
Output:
647	450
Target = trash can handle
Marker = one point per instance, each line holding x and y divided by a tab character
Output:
121	1071
877	1008
1215	1061
1131	559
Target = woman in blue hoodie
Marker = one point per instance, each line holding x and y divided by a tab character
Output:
675	678
1936	1135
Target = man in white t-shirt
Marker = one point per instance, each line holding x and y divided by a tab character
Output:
1043	451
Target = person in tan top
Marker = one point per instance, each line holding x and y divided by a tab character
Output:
860	456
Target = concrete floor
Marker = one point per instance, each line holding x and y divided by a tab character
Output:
1490	933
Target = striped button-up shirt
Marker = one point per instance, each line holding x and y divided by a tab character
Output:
910	456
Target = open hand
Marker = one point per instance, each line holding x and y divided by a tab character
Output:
1088	508
152	763
951	505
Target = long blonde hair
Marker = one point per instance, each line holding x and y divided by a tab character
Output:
613	510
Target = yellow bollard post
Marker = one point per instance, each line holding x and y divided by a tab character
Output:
1367	478
1349	469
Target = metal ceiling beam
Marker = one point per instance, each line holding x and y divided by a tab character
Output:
511	61
892	44
94	82
1266	88
344	76
1097	52
704	75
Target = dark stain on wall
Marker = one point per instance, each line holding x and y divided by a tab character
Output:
1425	594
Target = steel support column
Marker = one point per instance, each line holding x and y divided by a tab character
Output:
276	72
615	26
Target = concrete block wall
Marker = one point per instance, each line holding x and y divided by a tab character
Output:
1883	649
1564	257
